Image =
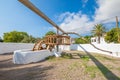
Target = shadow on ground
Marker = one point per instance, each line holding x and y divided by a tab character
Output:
10	71
105	71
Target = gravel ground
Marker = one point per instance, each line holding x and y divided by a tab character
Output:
74	66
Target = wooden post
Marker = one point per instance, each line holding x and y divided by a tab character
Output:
117	26
57	41
117	22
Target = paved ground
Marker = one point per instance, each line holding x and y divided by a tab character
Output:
75	65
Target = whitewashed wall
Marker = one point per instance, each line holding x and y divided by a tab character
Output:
64	47
10	47
114	48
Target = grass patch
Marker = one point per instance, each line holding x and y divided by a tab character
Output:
118	68
101	57
66	55
85	57
51	58
74	65
63	56
91	70
107	58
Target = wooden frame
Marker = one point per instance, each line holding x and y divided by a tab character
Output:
51	41
57	40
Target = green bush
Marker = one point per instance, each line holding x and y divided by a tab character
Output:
112	36
83	40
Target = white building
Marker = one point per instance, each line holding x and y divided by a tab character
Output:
94	40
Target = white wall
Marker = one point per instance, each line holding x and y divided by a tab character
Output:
26	56
94	40
64	47
10	47
114	48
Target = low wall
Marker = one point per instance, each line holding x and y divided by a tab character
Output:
64	47
114	48
10	47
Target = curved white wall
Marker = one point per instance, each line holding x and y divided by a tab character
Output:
114	48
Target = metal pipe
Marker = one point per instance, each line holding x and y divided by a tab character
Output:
28	4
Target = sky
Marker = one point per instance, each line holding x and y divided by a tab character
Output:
71	15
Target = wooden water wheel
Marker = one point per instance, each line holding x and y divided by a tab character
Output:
51	41
38	45
41	44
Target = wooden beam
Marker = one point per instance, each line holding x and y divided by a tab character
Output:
117	26
28	4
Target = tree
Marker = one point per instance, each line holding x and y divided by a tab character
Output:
38	38
14	36
112	36
79	41
83	40
29	39
1	39
98	31
50	33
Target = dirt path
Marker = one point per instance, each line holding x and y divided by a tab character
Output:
78	67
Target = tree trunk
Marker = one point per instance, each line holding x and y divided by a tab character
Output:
98	39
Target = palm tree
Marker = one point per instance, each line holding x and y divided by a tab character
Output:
98	31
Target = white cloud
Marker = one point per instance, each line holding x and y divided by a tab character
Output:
75	22
107	9
65	15
80	23
84	3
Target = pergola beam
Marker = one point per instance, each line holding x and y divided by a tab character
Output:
28	4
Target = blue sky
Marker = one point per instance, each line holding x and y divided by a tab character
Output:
71	15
